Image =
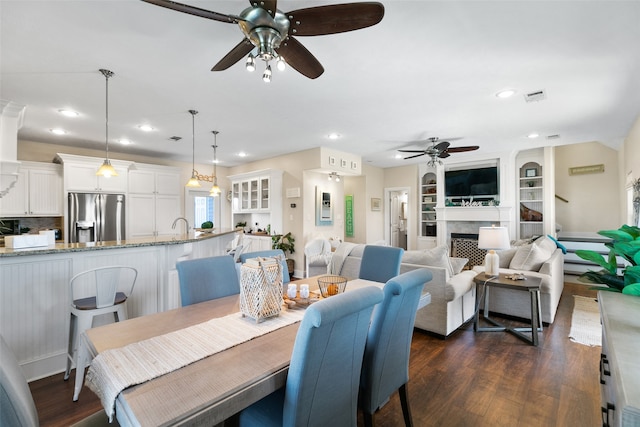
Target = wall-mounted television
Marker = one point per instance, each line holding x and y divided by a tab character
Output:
471	182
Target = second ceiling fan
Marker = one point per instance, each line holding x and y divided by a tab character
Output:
272	31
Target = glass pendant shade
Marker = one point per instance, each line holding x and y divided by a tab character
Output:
106	169
193	182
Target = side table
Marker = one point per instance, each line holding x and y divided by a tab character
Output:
530	284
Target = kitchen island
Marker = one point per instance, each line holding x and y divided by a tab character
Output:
35	293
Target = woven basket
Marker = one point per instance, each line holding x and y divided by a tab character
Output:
261	288
331	285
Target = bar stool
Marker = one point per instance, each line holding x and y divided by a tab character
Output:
95	292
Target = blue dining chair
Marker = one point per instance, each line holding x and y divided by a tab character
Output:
380	263
270	253
204	279
385	367
324	373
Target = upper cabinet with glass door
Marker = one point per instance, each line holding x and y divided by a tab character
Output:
251	194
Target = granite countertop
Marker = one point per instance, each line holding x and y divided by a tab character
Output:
131	243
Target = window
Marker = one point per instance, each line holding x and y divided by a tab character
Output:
203	210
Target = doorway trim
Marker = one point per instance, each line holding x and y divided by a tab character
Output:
387	214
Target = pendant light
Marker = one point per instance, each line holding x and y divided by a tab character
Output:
193	181
106	170
215	190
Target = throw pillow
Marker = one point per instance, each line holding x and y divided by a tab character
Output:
558	244
457	264
505	257
529	258
439	257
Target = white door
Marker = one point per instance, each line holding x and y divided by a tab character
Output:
396	217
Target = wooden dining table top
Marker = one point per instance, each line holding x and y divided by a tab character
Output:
210	390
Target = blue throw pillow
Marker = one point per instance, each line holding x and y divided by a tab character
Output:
558	244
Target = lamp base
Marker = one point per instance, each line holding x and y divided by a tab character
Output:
492	264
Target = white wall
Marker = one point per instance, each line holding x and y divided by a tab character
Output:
594	199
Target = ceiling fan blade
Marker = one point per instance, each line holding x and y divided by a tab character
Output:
417	155
462	149
300	59
241	50
192	10
269	5
444	154
333	19
442	146
413	151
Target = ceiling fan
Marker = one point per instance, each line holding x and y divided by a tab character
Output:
438	151
271	31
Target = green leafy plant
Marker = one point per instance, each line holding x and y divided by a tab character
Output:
207	224
286	242
241	224
625	243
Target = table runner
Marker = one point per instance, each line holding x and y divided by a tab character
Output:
116	369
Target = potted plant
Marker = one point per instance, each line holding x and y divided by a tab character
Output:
286	242
625	242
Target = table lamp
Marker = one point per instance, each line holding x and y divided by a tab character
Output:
492	238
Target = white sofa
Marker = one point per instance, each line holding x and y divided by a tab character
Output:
543	259
453	296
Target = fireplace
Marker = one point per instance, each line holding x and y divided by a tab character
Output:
465	245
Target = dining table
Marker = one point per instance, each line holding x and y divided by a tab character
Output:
208	391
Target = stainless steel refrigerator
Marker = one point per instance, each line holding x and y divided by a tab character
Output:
95	217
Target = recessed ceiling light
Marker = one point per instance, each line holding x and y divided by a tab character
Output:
533	135
506	93
398	156
124	141
146	128
58	131
333	135
68	113
242	154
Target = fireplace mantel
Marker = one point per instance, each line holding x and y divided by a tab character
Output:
500	214
483	215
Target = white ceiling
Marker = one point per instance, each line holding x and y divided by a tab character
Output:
430	68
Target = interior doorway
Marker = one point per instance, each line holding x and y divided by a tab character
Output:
396	215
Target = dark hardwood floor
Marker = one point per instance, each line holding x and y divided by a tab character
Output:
484	379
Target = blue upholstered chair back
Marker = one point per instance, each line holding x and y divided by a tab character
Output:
386	358
16	404
380	263
324	374
269	253
205	279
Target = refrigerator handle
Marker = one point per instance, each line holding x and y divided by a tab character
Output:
119	219
73	216
99	235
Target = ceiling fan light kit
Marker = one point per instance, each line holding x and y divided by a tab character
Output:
269	32
106	169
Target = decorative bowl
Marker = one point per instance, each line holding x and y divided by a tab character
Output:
331	285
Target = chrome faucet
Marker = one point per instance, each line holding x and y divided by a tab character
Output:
173	226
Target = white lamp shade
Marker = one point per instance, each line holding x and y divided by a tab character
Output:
492	238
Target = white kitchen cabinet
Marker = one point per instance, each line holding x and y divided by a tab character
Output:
154	200
37	192
150	181
252	194
80	174
152	215
257	197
